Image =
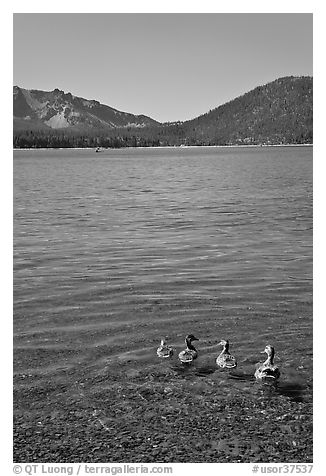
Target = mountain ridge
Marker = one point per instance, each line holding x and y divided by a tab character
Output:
59	110
279	112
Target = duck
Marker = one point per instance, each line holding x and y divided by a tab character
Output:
190	353
267	370
225	359
164	351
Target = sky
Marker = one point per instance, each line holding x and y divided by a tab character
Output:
167	66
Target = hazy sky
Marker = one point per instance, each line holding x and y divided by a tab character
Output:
167	66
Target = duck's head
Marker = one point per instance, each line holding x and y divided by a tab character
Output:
163	342
190	338
269	349
224	343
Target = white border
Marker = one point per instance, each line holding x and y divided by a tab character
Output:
167	6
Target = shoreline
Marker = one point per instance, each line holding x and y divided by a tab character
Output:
168	147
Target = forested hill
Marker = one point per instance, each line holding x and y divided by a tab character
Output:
280	112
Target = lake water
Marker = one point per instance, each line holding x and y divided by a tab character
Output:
114	250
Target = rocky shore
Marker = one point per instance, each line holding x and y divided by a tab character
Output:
158	418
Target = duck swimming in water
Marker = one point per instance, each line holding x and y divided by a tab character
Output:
225	359
164	351
267	370
190	353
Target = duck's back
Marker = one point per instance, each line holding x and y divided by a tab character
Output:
164	351
187	355
266	371
226	361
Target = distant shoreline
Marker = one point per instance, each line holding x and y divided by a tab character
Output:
167	147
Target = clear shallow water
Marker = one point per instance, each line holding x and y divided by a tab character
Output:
116	249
